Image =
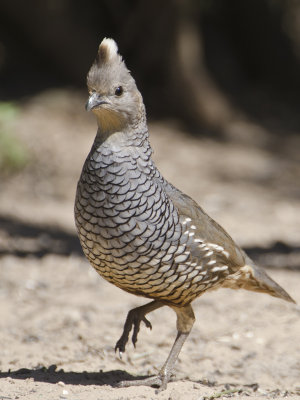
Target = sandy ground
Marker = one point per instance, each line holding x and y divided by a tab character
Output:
59	320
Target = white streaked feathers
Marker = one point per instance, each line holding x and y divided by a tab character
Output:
211	250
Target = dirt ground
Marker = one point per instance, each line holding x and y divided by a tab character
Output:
59	321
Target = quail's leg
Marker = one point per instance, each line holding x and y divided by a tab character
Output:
185	321
134	319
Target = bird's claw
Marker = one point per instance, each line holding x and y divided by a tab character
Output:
147	323
160	381
136	328
133	320
120	346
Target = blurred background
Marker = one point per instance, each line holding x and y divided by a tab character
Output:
220	80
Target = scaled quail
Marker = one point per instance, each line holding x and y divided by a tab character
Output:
137	230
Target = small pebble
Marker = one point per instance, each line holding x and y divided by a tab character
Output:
60	383
261	391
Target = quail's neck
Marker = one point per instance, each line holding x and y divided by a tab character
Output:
119	148
122	139
134	133
130	144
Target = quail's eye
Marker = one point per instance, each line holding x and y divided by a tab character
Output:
119	91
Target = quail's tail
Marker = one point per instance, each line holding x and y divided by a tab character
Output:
259	281
251	277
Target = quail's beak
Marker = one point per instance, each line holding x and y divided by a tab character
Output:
95	100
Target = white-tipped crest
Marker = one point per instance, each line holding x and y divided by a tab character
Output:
108	49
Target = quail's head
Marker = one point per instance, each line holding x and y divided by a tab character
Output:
114	97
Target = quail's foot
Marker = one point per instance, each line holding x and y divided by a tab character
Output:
161	380
164	374
133	320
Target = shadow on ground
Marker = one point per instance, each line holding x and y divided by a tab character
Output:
52	375
22	239
112	378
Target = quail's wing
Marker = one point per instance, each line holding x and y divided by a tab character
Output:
208	237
